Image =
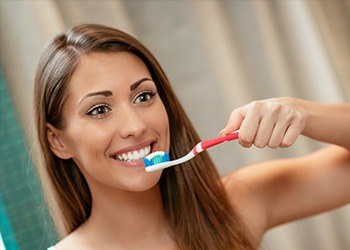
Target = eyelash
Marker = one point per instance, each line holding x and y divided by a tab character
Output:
150	93
93	108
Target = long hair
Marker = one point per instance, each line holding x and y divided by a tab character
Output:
194	199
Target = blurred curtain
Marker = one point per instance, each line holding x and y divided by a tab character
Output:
24	221
219	55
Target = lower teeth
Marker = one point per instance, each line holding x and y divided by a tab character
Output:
115	158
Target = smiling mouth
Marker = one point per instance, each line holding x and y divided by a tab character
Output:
134	155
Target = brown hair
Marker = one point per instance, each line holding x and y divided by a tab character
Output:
194	199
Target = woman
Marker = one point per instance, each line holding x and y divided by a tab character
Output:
102	102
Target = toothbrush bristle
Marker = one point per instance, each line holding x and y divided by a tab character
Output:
156	158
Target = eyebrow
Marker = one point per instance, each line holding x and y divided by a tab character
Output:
105	93
137	83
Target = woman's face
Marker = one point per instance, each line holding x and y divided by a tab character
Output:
113	116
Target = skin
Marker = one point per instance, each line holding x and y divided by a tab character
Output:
127	209
271	193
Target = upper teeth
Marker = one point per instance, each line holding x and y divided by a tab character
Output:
134	155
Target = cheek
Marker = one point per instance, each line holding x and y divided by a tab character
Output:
163	119
87	139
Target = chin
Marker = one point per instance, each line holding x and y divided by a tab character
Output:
145	182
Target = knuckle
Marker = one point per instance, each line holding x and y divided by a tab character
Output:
259	144
274	108
289	116
245	139
301	118
233	113
245	144
255	105
297	118
286	143
273	144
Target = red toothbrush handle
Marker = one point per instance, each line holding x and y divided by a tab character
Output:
212	142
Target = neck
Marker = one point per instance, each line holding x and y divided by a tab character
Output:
125	218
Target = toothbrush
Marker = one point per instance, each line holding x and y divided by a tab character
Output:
160	160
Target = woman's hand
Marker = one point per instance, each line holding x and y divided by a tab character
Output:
275	122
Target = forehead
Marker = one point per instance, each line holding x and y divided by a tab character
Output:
98	64
105	69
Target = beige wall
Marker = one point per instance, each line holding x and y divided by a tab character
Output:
219	55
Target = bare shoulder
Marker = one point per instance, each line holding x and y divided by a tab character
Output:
252	191
74	240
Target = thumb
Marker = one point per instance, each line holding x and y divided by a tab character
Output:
234	122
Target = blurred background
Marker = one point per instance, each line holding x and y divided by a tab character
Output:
218	55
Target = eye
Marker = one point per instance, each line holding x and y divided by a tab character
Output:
144	96
98	110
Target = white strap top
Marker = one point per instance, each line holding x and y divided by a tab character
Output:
52	248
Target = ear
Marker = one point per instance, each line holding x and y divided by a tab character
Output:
56	144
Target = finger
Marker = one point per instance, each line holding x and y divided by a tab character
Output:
284	121
278	134
234	122
292	133
249	128
264	131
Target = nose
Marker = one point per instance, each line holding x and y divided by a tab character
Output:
131	124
